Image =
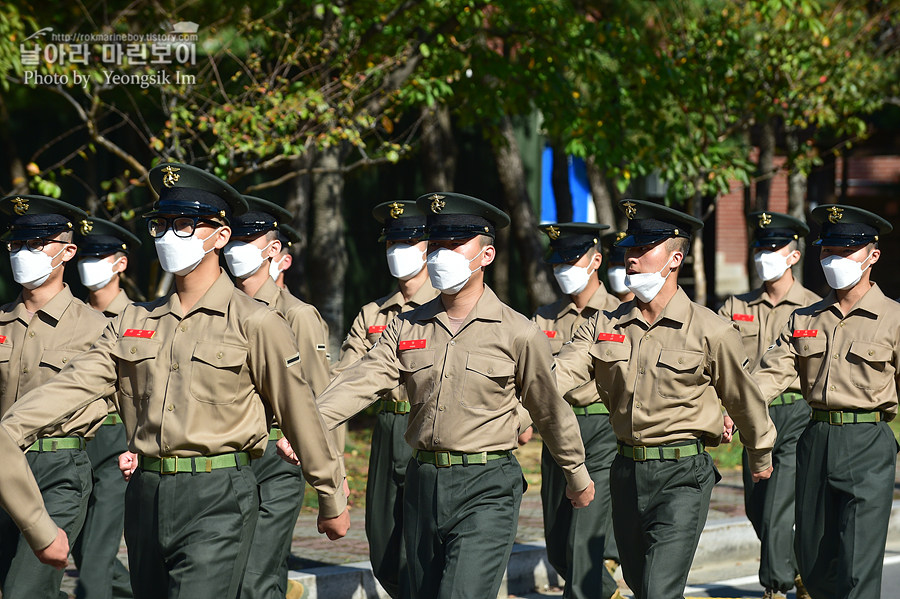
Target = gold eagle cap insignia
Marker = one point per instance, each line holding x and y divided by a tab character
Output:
835	214
553	233
437	203
21	206
396	209
764	220
620	236
171	176
86	226
630	210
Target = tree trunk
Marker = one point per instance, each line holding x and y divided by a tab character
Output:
327	249
499	269
699	271
524	224
765	167
604	201
559	180
438	149
796	198
297	203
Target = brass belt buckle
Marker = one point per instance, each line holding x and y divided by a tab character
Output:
442	459
163	469
836	418
639	453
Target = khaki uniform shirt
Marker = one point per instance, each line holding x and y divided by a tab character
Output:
34	349
464	389
118	305
188	385
847	362
663	382
559	322
371	321
760	321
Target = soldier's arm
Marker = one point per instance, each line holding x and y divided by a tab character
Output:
552	415
311	333
360	385
742	398
21	497
573	363
276	369
777	368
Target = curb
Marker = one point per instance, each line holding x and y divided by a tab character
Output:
528	567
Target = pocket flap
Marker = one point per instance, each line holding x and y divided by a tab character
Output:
680	360
220	355
57	358
5	351
809	346
610	351
412	360
135	349
490	365
871	352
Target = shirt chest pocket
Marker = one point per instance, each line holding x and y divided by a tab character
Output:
136	361
216	372
556	344
417	372
809	347
56	359
871	362
487	379
748	329
677	371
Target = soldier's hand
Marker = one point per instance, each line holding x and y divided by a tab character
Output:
334	528
581	498
526	435
765	474
128	463
729	428
286	452
55	554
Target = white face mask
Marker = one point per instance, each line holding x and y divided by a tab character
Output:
32	268
449	270
843	273
572	279
96	273
646	285
181	255
274	269
243	259
405	261
770	266
616	275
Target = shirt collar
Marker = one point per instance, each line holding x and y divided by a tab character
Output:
118	304
55	308
794	296
489	308
595	303
215	299
677	310
422	296
872	302
268	293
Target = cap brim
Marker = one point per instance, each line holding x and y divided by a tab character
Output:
564	255
844	242
639	239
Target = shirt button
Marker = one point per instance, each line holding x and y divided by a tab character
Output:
647	336
31	333
171	407
219	355
831	388
25	370
681	360
441	408
490	371
842	324
835	356
174	366
166	448
806	347
182	328
436	440
447	375
637	404
641	371
64	360
412	364
453	343
637	435
134	350
871	353
608	353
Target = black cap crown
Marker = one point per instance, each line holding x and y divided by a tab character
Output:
615	254
402	219
102	238
189	191
772	230
261	216
36	217
570	241
457	216
848	226
650	223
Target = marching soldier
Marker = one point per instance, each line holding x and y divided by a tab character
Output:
844	348
663	365
615	262
104	250
403	232
466	359
760	315
41	331
579	540
254	245
198	372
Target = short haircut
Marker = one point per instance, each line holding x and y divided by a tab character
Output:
678	244
67	236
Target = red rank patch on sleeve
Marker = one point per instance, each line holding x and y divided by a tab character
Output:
412	344
610	337
376	328
139	333
2	338
806	332
742	317
550	334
